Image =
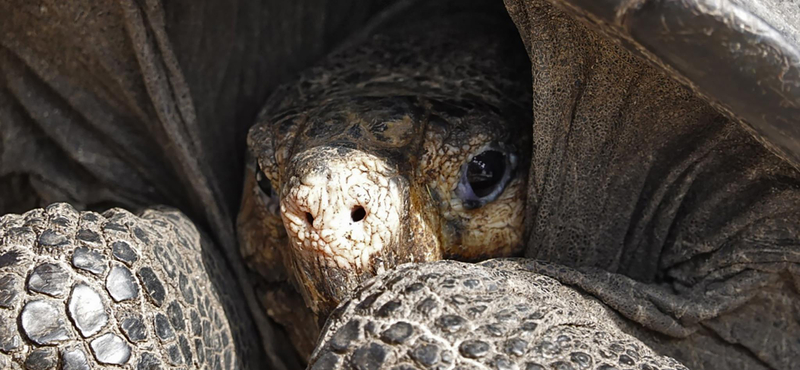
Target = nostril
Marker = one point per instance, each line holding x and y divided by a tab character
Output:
309	218
358	213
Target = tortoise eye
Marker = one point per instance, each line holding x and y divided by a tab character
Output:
263	183
485	171
485	176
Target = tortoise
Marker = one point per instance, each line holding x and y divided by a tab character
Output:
615	140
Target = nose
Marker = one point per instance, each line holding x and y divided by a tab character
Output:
341	207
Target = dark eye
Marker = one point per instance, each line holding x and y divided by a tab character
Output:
485	171
485	176
263	183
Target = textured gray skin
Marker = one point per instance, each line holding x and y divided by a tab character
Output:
741	55
81	290
656	203
452	315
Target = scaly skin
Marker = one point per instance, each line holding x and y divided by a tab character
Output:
89	291
452	315
385	128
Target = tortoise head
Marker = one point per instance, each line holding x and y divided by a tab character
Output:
358	185
376	159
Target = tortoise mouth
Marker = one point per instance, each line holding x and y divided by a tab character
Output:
342	210
323	286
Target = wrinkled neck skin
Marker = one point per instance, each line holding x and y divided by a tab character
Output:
632	172
648	198
364	158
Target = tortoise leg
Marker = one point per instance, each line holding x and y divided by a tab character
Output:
88	290
458	315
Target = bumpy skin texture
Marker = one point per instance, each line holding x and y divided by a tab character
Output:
387	126
452	315
81	290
